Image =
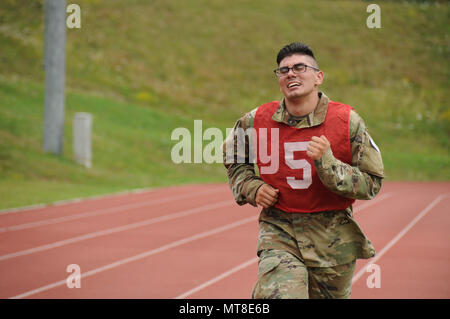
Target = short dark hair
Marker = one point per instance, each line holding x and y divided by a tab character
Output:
294	48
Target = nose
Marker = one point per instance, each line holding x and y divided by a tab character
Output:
291	73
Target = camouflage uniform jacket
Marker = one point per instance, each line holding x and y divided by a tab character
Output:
361	180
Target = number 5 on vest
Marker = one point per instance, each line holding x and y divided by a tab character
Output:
289	149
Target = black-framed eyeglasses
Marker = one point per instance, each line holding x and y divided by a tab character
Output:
296	68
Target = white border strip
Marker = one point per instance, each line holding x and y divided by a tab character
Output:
399	236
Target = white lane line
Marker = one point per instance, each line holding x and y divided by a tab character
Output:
104	211
372	202
399	236
142	255
74	200
218	278
251	261
21	209
116	229
88	198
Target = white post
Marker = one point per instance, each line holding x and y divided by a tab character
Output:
82	127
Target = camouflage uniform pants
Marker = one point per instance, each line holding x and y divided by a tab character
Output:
283	276
308	255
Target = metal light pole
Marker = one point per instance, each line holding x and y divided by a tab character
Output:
54	64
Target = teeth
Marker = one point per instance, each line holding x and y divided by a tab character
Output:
293	84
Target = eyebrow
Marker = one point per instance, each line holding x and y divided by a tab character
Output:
304	63
300	63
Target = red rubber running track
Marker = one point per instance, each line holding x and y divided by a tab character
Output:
195	242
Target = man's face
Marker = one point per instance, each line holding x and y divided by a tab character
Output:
295	86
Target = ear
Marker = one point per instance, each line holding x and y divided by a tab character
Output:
319	78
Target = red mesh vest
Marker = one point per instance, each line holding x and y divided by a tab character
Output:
301	190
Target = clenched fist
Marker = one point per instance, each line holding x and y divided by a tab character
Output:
266	196
317	147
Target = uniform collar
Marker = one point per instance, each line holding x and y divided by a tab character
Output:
316	117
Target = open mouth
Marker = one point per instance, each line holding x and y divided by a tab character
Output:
293	84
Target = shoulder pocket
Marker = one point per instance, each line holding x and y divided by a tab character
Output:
371	161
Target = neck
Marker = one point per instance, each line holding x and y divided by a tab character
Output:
302	105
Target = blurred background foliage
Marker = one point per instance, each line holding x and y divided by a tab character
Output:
143	68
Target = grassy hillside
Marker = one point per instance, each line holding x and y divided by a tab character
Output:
143	68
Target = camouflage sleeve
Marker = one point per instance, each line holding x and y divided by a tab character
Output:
362	179
242	178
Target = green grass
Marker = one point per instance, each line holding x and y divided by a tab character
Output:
131	149
143	68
